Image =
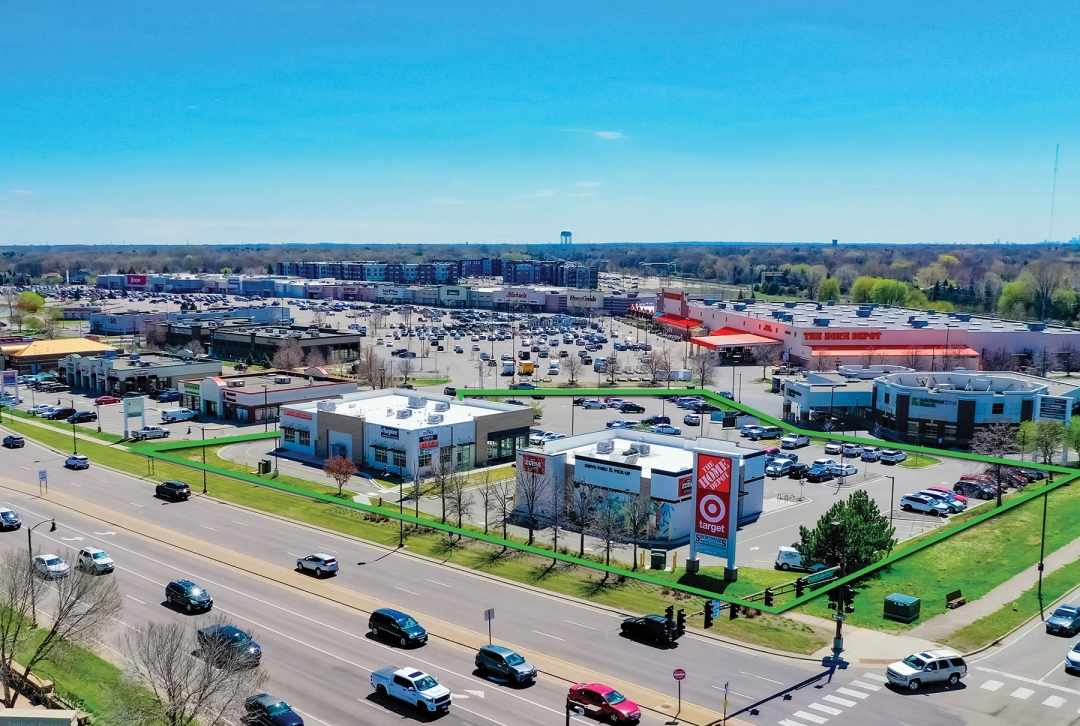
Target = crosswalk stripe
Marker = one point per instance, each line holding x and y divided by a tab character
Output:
825	709
992	685
1022	693
789	722
836	699
849	692
867	686
1054	702
876	677
814	718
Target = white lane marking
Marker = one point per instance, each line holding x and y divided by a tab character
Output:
588	627
294	555
307	714
733	693
754	675
1022	693
812	717
75	485
1053	671
867	686
102	481
836	699
991	685
1054	701
457	696
1022	679
849	692
437	582
137	600
474	713
408	591
549	636
478	694
825	709
244	525
876	677
209	528
789	722
25	467
137	505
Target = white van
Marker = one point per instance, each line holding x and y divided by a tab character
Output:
553	368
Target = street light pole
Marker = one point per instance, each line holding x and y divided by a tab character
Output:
202	430
266	409
30	551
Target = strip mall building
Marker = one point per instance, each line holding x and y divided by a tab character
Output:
823	336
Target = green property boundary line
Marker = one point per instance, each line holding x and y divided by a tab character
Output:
160	451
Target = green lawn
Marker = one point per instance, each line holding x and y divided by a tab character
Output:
919	461
974	561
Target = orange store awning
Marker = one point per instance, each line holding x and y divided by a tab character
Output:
732	337
677	320
959	351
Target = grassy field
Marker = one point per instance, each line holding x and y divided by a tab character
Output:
974	561
988	629
919	461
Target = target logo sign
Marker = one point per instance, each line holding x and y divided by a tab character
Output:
712	504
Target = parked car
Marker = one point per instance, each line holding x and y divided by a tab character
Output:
946	498
82	417
149	432
9	519
50	567
921	503
834	447
14	441
778	467
177	491
58	413
852	450
870	453
1065	621
650	629
319	563
134	394
229	644
179	414
844	470
654	420
976	489
414	687
789	558
798	470
262	709
766	432
188	596
397	626
929	668
602	703
91	559
168	395
592	404
629	407
794	441
77	461
495	660
106	400
620	423
824	462
892	456
691	419
666	429
748	430
42	409
819	473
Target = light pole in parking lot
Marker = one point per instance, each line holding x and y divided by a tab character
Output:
892	500
266	409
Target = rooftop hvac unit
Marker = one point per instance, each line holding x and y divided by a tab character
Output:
630	458
417	401
442	406
236	384
435	418
605	447
282	379
330	406
640	448
404	413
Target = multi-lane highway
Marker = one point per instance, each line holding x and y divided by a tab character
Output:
314	632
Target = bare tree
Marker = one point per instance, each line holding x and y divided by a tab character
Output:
556	511
612	368
11	301
442	475
340	470
657	365
767	355
870	357
531	488
204	688
318	319
572	367
949	357
912	358
1046	276
581	497
502	496
998	440
405	368
607	523
459	505
406	317
822	363
289	355
639	521
1000	359
1067	355
1041	362
154	335
703	367
196	348
52	321
487	493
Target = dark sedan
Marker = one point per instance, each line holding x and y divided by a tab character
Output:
649	629
266	710
820	473
82	417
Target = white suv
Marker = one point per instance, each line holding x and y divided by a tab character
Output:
933	666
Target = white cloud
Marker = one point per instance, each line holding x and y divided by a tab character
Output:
587	184
610	135
540	193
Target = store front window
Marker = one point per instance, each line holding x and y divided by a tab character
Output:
503	445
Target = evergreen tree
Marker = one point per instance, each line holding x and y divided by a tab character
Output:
852	534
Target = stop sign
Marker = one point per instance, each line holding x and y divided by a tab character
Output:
678	674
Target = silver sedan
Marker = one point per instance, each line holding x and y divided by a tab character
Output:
319	563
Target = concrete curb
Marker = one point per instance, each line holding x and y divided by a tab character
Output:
1024	624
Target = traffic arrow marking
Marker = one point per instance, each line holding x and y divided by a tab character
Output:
72	539
478	694
104	533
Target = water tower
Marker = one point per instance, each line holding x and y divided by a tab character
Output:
566	238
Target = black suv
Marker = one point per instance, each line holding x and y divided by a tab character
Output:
82	417
14	441
650	629
60	413
502	662
266	710
630	407
398	626
655	420
177	491
228	643
187	595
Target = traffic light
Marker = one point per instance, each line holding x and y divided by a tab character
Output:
768	597
669	616
849	598
800	587
734	611
680	623
712	610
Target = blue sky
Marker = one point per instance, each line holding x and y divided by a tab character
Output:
508	122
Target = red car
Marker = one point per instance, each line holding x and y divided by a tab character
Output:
103	400
603	703
945	490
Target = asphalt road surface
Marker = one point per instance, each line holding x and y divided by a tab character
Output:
319	655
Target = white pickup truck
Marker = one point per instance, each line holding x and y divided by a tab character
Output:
413	687
149	432
173	415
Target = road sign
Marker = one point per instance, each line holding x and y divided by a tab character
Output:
43	477
489	614
678	674
822	575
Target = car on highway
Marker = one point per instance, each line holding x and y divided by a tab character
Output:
921	503
844	470
82	417
228	644
666	430
149	432
818	473
397	626
14	441
319	563
413	686
262	709
778	467
870	453
650	629
176	491
504	663
592	404
77	461
106	400
798	470
9	519
794	441
91	559
603	703
50	567
691	419
186	595
929	668
834	447
1064	621
891	456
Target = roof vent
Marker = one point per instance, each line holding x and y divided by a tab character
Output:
821	322
1036	326
435	418
236	384
330	406
404	413
282	379
442	406
417	401
605	447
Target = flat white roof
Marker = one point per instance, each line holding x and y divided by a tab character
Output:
666	453
664	458
382	407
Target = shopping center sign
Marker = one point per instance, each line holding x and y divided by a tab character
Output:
715	508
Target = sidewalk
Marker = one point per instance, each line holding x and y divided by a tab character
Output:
868	647
950	621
